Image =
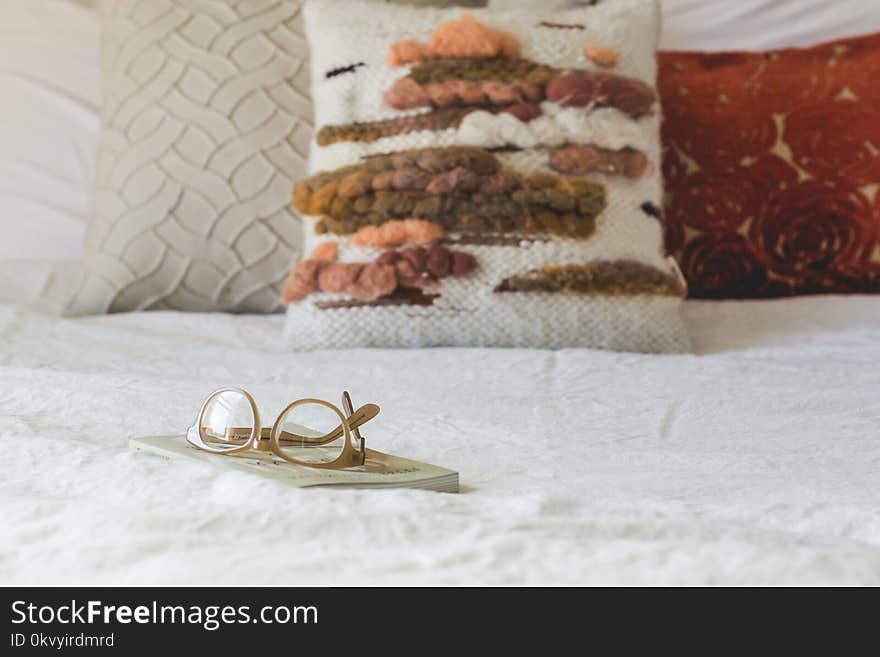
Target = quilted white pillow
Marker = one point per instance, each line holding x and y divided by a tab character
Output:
206	123
485	179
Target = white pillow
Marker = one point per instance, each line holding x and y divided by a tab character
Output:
49	124
747	24
763	24
206	122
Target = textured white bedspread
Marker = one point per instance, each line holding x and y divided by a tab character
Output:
756	461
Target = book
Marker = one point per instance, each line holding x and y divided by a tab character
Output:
380	470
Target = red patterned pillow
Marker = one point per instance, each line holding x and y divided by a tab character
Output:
772	166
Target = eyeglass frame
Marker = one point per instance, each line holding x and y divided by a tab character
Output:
269	439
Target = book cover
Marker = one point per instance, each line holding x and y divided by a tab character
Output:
380	470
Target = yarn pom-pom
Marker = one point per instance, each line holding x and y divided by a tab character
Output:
397	232
374	282
325	252
464	38
339	277
302	281
601	56
406	51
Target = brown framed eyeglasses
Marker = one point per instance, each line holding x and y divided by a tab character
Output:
310	432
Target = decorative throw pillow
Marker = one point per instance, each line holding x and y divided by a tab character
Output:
772	166
484	179
207	121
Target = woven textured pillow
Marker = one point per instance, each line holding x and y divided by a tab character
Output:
206	124
772	169
484	179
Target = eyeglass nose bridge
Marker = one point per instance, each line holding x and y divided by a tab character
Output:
263	442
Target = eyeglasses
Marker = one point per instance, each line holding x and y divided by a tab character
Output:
310	432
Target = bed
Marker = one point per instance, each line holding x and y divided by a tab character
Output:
754	461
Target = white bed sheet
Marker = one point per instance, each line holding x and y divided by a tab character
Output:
756	461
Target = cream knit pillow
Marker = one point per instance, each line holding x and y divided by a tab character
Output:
485	179
206	123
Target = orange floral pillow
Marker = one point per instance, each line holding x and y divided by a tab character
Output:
772	167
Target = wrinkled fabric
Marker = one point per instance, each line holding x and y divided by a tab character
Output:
752	462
